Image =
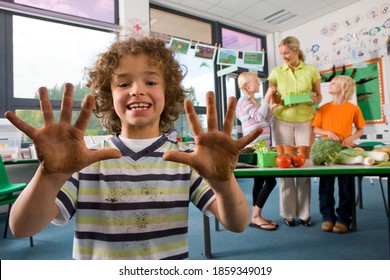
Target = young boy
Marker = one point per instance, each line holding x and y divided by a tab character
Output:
130	195
334	120
252	115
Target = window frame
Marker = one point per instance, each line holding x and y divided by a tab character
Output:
7	11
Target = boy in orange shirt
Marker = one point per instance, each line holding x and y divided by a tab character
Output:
334	120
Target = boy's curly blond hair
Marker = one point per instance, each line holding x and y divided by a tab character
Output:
348	86
100	76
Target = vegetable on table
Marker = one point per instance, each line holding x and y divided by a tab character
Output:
283	161
357	156
261	147
368	161
378	156
298	160
324	151
343	159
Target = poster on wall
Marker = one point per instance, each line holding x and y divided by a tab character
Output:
253	58
205	51
369	87
227	57
180	46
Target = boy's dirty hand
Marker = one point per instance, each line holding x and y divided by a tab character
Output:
60	146
216	153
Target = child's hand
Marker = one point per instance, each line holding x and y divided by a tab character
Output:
272	107
60	146
216	152
334	136
314	96
348	142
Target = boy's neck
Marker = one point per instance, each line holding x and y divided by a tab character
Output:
338	100
139	134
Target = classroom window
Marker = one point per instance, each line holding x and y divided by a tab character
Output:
35	119
169	23
236	40
48	45
102	10
199	76
199	73
57	53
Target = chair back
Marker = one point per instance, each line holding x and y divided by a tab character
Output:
370	145
4	181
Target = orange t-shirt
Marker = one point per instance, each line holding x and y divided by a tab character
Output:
339	118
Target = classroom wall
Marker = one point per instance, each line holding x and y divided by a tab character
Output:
337	38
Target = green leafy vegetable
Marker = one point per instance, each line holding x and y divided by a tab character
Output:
261	147
324	151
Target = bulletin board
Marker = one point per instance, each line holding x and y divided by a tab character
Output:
369	87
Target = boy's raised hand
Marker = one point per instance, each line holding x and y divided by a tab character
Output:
216	153
60	146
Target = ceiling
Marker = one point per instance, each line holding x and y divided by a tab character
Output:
257	16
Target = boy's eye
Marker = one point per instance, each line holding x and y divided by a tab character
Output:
123	84
151	83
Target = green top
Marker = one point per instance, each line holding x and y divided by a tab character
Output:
292	83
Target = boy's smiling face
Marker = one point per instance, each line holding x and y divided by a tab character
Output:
138	92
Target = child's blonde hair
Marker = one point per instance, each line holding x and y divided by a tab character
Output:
348	86
245	78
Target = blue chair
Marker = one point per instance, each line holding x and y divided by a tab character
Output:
9	194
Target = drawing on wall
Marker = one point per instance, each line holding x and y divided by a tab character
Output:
135	27
358	54
254	58
227	57
352	21
329	30
315	48
369	87
205	51
180	46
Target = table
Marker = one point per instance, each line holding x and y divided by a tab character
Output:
21	170
20	161
309	170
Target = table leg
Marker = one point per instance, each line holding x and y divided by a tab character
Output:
206	235
353	210
360	192
216	224
388	205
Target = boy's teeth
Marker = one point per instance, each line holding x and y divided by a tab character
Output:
138	106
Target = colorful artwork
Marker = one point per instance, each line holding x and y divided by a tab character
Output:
180	46
254	58
358	54
135	27
205	51
227	57
369	87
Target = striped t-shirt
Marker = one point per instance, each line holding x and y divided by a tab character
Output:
252	117
134	207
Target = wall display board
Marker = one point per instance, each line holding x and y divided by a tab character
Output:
369	87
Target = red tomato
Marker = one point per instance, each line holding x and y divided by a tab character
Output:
283	161
298	160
